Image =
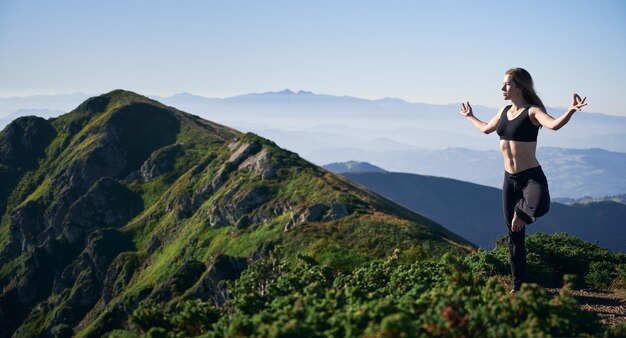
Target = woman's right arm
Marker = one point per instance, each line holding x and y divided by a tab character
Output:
487	128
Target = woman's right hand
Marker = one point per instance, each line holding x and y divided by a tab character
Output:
466	109
577	103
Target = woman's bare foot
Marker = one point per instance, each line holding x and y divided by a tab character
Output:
517	224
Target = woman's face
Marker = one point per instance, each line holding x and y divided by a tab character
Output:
509	88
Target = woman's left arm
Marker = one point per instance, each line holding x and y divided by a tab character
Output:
556	123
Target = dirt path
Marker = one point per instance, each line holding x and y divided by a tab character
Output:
611	307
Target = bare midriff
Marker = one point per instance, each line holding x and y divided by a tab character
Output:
518	156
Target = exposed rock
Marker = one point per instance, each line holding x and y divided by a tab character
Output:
337	211
230	211
119	273
107	159
209	286
119	147
107	204
160	161
243	151
104	245
27	223
153	244
260	164
24	140
202	196
291	222
142	128
35	282
182	206
86	275
314	213
186	276
252	200
220	177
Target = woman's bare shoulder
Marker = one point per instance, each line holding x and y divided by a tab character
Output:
503	108
533	110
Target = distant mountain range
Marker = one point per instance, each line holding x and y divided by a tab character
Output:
353	166
587	199
572	173
421	125
585	158
125	200
475	211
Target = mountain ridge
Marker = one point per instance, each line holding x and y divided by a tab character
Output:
125	199
288	92
479	218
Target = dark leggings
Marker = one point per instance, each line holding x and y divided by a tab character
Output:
525	193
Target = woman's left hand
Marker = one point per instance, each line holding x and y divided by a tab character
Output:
577	103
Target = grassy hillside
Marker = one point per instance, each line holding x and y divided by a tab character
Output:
475	211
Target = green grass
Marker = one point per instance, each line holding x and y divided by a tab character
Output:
244	243
335	255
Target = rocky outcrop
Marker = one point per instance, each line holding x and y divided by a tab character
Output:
209	288
186	276
159	162
318	212
27	224
116	149
337	211
118	275
22	144
24	140
35	282
231	208
107	204
241	151
106	159
87	275
261	165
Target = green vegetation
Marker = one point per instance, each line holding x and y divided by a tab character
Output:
551	257
387	298
137	208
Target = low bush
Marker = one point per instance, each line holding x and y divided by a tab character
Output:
452	296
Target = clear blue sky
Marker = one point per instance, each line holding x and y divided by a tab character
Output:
419	51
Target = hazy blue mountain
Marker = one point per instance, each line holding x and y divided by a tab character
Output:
353	167
588	199
572	173
45	113
409	137
475	211
62	102
422	125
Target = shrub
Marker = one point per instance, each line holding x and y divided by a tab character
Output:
550	257
452	296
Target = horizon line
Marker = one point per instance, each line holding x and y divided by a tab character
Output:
285	90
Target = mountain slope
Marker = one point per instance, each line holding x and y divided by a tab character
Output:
475	211
352	166
126	200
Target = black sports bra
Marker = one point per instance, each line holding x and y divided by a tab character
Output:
520	128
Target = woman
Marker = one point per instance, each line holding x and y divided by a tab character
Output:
525	193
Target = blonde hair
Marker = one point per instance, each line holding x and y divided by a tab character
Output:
523	80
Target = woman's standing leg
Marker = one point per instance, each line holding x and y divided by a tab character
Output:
517	246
